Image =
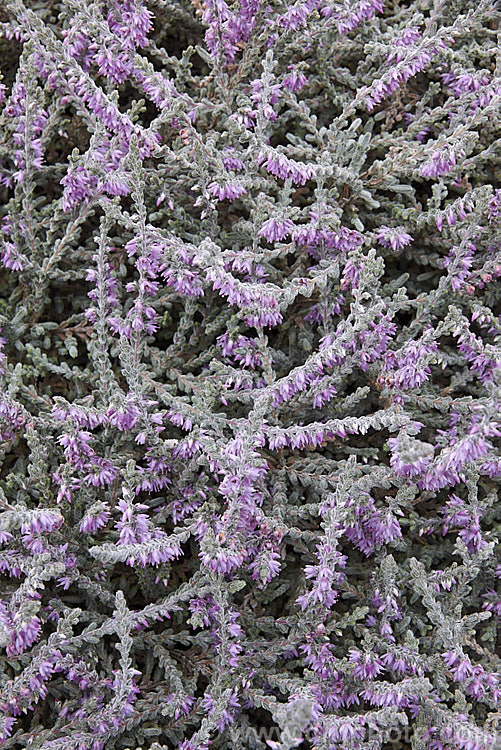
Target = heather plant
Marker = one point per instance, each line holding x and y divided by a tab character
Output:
250	375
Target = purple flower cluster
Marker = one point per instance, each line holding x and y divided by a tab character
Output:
284	168
406	64
394	237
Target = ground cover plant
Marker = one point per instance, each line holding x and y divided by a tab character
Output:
250	377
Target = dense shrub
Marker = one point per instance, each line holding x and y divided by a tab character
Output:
250	374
